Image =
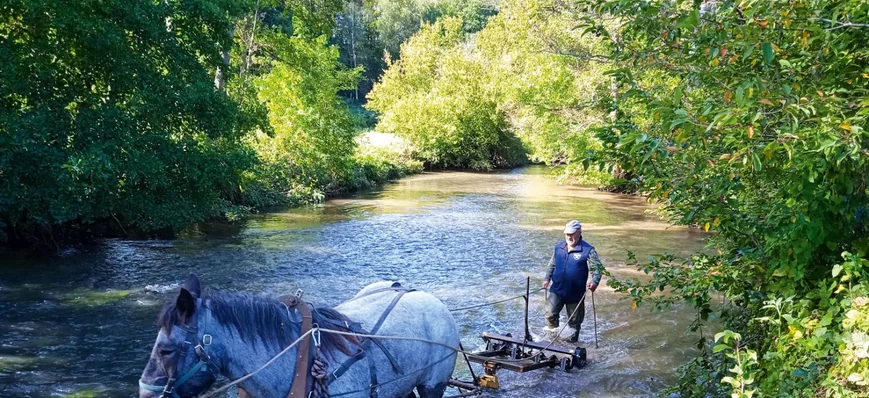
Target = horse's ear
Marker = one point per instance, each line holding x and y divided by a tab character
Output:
192	285
185	305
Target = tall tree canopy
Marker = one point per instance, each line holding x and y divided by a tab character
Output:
120	117
108	111
487	99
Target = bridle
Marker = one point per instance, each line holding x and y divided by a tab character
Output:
169	390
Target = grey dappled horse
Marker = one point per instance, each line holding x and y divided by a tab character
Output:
233	334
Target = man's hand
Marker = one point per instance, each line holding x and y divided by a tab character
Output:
592	286
546	284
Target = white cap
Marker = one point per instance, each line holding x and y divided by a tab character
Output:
572	227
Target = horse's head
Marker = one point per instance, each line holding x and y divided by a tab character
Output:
181	363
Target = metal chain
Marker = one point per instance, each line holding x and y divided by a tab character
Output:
320	373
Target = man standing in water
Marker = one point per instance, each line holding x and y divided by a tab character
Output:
568	272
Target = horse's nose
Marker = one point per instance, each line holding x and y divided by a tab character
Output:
153	389
143	393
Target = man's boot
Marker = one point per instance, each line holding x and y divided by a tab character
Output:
575	337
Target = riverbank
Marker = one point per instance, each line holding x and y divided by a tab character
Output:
270	184
377	160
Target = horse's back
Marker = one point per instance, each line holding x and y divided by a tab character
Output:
376	287
415	309
416	314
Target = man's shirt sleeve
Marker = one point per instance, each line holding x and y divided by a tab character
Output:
596	266
550	268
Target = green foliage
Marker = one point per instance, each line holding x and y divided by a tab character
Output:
376	165
312	127
359	45
436	97
482	101
370	32
745	363
108	114
473	13
118	118
747	118
398	20
551	96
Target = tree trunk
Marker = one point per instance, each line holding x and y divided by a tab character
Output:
220	74
353	47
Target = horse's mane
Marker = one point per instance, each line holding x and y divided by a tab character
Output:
265	318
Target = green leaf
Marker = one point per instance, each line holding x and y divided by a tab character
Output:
836	270
767	52
677	97
720	347
749	48
692	20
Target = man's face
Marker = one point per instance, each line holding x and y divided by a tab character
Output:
573	239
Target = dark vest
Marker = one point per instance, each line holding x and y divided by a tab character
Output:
571	271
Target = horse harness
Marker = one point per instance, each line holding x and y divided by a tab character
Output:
301	380
169	390
356	327
300	384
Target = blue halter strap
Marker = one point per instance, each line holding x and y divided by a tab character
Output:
169	390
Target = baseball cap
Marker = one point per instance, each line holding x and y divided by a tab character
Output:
572	227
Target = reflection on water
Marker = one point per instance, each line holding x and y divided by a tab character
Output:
84	321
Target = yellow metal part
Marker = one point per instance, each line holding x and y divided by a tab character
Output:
489	381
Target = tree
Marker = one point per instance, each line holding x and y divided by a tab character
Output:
436	97
359	46
548	85
109	113
747	118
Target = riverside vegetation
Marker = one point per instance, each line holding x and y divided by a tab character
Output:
745	118
121	117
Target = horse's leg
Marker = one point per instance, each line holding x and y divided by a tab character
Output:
436	391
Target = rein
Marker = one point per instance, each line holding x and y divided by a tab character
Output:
169	390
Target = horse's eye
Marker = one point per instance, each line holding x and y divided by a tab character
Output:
166	352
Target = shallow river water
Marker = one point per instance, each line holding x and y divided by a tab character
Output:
82	323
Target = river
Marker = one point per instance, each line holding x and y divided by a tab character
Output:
81	323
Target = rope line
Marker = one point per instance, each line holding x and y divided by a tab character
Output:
474	392
340	332
494	302
251	374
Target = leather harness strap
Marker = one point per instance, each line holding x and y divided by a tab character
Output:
366	343
299	388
